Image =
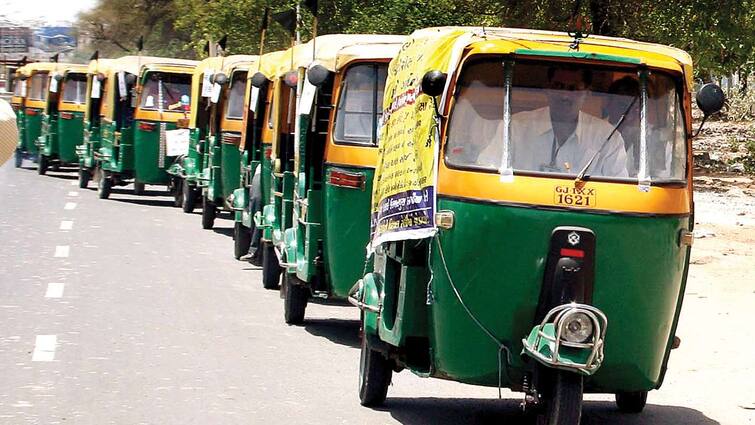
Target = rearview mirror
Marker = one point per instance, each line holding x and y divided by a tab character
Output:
710	99
317	74
291	79
259	79
130	79
220	78
58	77
433	83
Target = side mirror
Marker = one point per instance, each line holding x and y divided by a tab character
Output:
710	99
101	77
433	83
317	74
130	79
291	79
220	78
58	77
22	77
259	80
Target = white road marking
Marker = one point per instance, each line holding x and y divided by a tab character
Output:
70	206
73	193
62	251
66	225
54	290
44	348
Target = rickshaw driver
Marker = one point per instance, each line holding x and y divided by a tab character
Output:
562	137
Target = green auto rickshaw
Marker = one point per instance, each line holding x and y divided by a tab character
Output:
35	91
531	216
141	139
98	71
63	117
334	157
222	165
257	130
18	101
187	167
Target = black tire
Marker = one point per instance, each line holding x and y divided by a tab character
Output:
375	373
295	299
631	402
138	188
55	166
104	185
178	193
562	399
42	165
242	237
209	212
84	176
271	269
19	158
189	197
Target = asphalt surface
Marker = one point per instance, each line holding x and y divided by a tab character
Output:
146	318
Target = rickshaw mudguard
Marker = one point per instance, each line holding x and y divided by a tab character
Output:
292	259
369	295
639	269
240	199
570	359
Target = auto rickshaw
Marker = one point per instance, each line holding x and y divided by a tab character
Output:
187	167
63	117
257	130
333	159
17	101
221	173
35	100
99	70
531	216
140	143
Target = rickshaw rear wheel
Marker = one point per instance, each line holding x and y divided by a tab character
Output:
271	269
562	399
375	372
209	212
242	237
104	185
42	165
84	177
295	299
178	193
189	197
138	188
19	158
631	402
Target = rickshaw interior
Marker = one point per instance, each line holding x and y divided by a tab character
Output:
164	92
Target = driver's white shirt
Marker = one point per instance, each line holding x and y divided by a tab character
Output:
532	144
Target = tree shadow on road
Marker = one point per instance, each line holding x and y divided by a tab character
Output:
440	411
340	331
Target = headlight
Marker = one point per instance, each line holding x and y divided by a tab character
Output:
577	327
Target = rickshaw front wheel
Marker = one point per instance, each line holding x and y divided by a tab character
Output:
42	165
178	193
271	269
242	237
84	177
209	211
631	402
138	188
104	185
375	373
562	399
295	299
19	158
189	197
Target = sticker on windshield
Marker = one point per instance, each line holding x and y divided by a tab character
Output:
574	197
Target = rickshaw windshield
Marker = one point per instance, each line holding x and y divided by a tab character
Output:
559	118
18	89
38	90
360	104
75	89
234	106
163	92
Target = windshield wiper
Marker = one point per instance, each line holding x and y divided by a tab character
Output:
581	174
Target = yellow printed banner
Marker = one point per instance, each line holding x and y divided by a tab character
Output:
403	196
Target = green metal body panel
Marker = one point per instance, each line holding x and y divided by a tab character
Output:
116	152
345	230
32	130
90	144
203	177
224	172
267	180
147	166
61	136
496	256
21	124
282	204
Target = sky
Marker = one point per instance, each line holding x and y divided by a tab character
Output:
51	11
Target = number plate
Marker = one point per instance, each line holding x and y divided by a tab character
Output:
573	197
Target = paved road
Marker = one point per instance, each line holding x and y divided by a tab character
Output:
138	316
